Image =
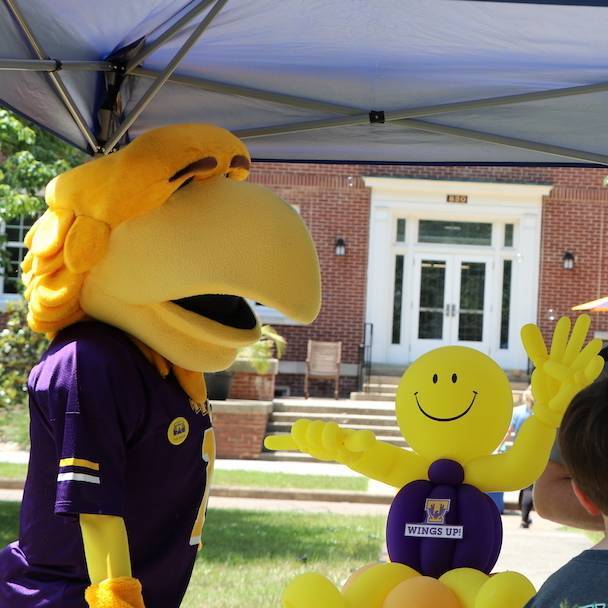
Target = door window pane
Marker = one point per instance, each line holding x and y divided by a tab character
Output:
400	237
397	299
463	233
508	235
432	292
506	304
472	289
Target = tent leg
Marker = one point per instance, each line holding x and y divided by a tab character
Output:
58	84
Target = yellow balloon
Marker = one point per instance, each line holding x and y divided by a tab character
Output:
465	583
369	586
422	592
454	402
505	590
312	590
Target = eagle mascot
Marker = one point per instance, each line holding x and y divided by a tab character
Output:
140	270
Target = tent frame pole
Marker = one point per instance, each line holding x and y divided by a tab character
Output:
166	36
143	103
55	65
355	116
215	86
58	84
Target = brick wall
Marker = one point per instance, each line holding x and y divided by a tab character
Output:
335	203
239	436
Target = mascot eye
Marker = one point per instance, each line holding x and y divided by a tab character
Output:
435	378
454	378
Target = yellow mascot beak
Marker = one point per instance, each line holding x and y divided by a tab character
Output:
177	277
164	240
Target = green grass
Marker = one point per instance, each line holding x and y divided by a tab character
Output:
9	522
14	426
593	535
284	480
9	470
250	556
245	478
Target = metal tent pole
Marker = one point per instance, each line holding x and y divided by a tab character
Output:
142	104
58	84
54	65
419	111
355	116
172	31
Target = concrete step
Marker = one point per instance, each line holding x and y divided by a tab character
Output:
379	388
303	406
362	396
361	419
387	431
387	380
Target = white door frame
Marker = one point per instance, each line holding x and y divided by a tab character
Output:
415	199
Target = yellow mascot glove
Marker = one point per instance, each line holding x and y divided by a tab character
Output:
122	592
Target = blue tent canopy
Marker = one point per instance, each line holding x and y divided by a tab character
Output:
397	81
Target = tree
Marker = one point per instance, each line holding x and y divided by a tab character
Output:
30	157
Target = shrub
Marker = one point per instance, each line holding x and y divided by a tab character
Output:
20	349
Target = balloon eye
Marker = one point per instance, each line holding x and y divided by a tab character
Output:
435	378
454	378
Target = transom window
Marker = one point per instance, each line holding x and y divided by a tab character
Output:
460	233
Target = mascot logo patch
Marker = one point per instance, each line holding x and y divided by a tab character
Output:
178	431
436	509
434	525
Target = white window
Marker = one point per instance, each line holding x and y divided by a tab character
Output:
14	232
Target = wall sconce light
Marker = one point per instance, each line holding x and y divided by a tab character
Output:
340	246
568	260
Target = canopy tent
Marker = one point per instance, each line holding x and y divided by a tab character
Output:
399	81
600	305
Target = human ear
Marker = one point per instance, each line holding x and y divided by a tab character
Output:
585	501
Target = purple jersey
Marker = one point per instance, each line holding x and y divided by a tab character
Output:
109	436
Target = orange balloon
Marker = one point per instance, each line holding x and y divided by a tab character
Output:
421	592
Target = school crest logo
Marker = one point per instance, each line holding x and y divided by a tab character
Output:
178	431
436	509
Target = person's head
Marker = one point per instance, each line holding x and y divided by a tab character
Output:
527	397
583	440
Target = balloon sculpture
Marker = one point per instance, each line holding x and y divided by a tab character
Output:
444	534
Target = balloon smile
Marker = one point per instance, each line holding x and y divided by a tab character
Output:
464	413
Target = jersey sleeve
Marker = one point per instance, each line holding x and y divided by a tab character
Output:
94	404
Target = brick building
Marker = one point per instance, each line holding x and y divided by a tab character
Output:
437	255
424	271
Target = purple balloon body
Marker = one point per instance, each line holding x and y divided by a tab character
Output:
422	502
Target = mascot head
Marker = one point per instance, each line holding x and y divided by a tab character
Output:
165	240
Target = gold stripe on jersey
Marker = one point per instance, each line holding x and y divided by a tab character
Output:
79	462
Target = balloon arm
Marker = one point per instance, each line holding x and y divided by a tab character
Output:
280	442
391	465
519	466
106	547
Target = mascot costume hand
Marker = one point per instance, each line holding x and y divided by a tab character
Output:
139	271
453	407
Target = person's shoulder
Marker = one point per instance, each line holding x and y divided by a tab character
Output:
88	344
584	575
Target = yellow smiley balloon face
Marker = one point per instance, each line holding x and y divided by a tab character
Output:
454	402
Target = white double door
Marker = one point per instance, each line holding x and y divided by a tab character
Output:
451	302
